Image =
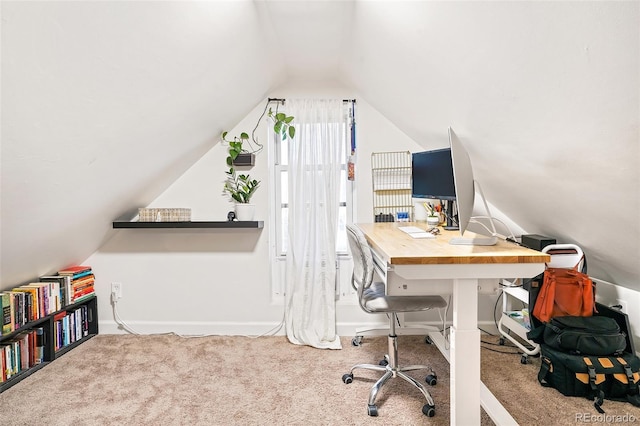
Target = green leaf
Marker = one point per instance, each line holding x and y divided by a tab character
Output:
278	127
224	135
288	120
281	116
244	136
292	132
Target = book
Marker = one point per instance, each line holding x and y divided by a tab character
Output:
74	270
3	365
83	297
5	309
8	352
22	341
33	301
64	283
18	309
39	332
32	305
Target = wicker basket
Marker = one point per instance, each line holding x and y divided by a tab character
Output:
164	215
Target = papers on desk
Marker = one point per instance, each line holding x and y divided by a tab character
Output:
415	232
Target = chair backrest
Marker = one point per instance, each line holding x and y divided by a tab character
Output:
362	275
565	256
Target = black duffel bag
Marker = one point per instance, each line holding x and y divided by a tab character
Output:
594	377
595	335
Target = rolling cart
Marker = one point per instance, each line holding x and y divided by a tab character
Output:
518	322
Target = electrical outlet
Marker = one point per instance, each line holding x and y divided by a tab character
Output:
116	291
623	304
488	286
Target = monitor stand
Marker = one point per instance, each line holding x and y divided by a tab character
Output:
452	218
480	240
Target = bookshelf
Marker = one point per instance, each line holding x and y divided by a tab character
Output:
59	334
120	224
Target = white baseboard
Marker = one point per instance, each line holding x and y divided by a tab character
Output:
249	328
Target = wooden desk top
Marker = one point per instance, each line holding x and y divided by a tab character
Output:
398	248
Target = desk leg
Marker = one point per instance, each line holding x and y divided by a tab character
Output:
465	354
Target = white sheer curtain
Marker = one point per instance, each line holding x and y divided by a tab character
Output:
314	185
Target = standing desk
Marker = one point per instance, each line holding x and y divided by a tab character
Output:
411	266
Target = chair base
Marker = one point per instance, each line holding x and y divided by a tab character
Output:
391	370
402	329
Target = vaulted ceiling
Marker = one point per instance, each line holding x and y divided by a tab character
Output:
104	104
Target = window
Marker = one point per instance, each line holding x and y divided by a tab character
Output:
281	197
279	152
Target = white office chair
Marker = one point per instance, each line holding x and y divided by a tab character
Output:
373	299
565	256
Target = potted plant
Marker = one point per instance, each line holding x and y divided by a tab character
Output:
241	157
239	187
238	156
433	217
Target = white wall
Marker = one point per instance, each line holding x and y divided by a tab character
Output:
208	281
218	281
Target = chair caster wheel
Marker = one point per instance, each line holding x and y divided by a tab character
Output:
501	341
428	340
383	362
356	341
347	378
523	360
429	410
372	410
431	379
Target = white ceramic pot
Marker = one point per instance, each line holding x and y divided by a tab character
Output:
433	221
245	212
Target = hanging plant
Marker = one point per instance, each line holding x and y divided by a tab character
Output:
240	187
282	124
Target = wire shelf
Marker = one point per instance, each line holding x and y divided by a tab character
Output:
391	179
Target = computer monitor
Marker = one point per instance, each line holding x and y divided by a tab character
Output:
465	188
432	175
432	178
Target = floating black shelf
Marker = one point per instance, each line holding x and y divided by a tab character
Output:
185	225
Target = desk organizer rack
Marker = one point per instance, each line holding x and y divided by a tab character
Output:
391	179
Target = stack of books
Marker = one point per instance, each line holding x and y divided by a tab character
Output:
81	281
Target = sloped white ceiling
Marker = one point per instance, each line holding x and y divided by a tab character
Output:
106	103
543	94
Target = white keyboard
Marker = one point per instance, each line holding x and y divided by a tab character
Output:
411	229
415	232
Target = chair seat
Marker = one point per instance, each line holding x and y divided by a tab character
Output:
375	299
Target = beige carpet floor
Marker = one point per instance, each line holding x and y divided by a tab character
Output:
222	380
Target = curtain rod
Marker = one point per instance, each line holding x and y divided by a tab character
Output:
283	100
